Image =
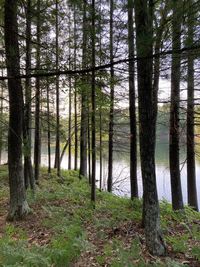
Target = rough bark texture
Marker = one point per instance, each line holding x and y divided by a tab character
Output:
89	143
132	108
191	172
93	124
48	130
84	110
70	125
147	119
57	154
75	97
111	119
28	169
177	199
18	204
37	144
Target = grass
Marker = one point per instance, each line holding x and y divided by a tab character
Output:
65	229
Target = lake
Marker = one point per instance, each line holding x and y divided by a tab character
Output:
121	181
121	176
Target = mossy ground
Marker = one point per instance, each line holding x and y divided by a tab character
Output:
64	229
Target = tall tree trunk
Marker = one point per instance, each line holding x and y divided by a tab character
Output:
111	119
57	154
100	147
191	172
70	103
18	204
48	130
89	144
70	125
93	124
84	110
75	97
177	200
147	119
132	108
28	169
37	145
1	112
100	108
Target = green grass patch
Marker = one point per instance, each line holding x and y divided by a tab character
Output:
76	227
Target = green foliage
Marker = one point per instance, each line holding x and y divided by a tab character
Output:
196	252
67	213
179	243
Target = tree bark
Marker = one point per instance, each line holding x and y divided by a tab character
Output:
37	144
57	154
28	169
93	96
70	125
84	100
191	171
111	119
75	97
177	199
147	120
48	130
132	108
18	204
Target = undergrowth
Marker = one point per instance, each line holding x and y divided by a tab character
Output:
111	232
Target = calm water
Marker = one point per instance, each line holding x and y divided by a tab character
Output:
121	174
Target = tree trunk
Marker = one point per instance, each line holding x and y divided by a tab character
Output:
191	172
37	145
177	200
84	100
75	98
111	119
70	125
28	169
93	124
57	154
48	130
1	112
89	144
132	108
18	204
147	119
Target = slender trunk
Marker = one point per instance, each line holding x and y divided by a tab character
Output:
191	172
63	151
177	200
57	154
70	102
89	146
37	145
147	119
18	204
2	106
93	124
100	148
100	113
48	130
84	100
1	131
132	108
75	99
70	124
111	120
28	169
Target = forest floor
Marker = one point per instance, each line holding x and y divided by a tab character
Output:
64	229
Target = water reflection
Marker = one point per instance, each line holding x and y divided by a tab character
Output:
121	174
